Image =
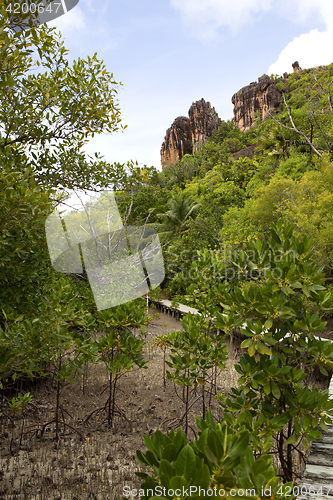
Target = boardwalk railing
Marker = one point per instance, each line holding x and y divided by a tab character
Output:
177	312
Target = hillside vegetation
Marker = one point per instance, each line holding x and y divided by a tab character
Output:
289	175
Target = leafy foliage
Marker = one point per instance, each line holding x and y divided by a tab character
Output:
194	352
49	110
46	117
174	220
23	256
272	310
219	459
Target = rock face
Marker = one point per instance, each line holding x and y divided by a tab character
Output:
177	141
245	152
203	121
296	67
185	134
254	99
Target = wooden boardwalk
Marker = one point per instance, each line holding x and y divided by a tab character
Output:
176	312
317	482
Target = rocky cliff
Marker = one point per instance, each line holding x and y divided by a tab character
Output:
185	134
253	100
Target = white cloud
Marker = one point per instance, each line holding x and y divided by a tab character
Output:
310	49
70	24
309	8
205	17
315	48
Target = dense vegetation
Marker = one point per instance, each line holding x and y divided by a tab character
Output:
236	235
288	175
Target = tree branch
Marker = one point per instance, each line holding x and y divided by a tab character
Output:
294	128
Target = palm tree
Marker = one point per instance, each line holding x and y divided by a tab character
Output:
181	207
278	142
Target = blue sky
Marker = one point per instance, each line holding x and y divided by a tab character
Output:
169	53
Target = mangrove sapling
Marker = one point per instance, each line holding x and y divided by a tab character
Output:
194	353
64	371
16	406
61	308
205	294
163	342
120	351
86	349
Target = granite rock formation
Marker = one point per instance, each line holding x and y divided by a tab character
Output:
247	152
255	99
203	121
177	141
296	67
185	134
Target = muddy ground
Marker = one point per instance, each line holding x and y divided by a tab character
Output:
104	462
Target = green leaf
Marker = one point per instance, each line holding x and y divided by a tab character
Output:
170	452
141	458
263	349
213	442
267	387
202	479
148	443
210	455
252	350
246	343
151	458
323	370
314	434
185	463
166	472
284	370
323	425
276	391
239	448
292	439
178	482
269	323
142	475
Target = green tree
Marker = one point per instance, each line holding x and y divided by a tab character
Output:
47	116
308	109
49	110
24	263
277	141
144	204
307	202
182	207
279	304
